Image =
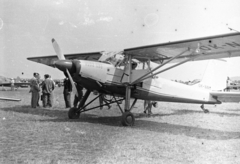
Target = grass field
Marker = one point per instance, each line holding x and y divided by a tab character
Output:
176	133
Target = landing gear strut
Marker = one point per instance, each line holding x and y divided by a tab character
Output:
127	117
74	113
204	110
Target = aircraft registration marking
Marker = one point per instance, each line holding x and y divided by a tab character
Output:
96	65
215	47
204	86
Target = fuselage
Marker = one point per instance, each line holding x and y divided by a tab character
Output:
109	79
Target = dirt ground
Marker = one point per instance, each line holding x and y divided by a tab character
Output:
175	133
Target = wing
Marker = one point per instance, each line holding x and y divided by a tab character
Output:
15	84
227	96
50	60
221	46
5	84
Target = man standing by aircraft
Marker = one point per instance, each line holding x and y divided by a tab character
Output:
67	92
35	89
229	83
47	89
148	107
12	84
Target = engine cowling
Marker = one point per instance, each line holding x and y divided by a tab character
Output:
73	66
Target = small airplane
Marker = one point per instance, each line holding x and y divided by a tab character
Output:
6	82
117	73
233	86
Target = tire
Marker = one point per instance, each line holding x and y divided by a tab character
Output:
73	113
128	119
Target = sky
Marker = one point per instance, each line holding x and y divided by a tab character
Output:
27	27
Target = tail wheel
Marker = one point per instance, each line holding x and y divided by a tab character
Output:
73	113
128	119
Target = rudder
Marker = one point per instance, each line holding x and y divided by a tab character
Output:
215	76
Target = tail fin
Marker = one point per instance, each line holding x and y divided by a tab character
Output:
215	75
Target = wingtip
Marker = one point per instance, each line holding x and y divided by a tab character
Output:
53	40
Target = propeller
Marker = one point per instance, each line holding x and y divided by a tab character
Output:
64	64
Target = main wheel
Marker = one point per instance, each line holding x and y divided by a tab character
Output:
206	111
73	113
128	119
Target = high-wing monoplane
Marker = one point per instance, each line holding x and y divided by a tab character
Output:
116	74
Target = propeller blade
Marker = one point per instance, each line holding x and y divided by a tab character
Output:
73	85
65	64
57	50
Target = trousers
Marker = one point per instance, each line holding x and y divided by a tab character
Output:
47	99
35	99
67	99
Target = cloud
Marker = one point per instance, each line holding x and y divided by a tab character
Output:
59	2
88	21
1	23
107	19
61	22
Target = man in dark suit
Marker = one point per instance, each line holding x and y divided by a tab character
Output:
47	90
67	92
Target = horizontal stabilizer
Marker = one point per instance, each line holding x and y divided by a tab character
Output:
227	96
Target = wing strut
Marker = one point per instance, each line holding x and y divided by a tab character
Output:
171	67
167	68
143	77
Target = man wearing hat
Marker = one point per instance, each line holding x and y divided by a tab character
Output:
35	89
67	92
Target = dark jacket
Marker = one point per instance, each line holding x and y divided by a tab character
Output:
67	86
47	86
34	85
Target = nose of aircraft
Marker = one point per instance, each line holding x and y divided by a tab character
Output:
73	66
64	64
